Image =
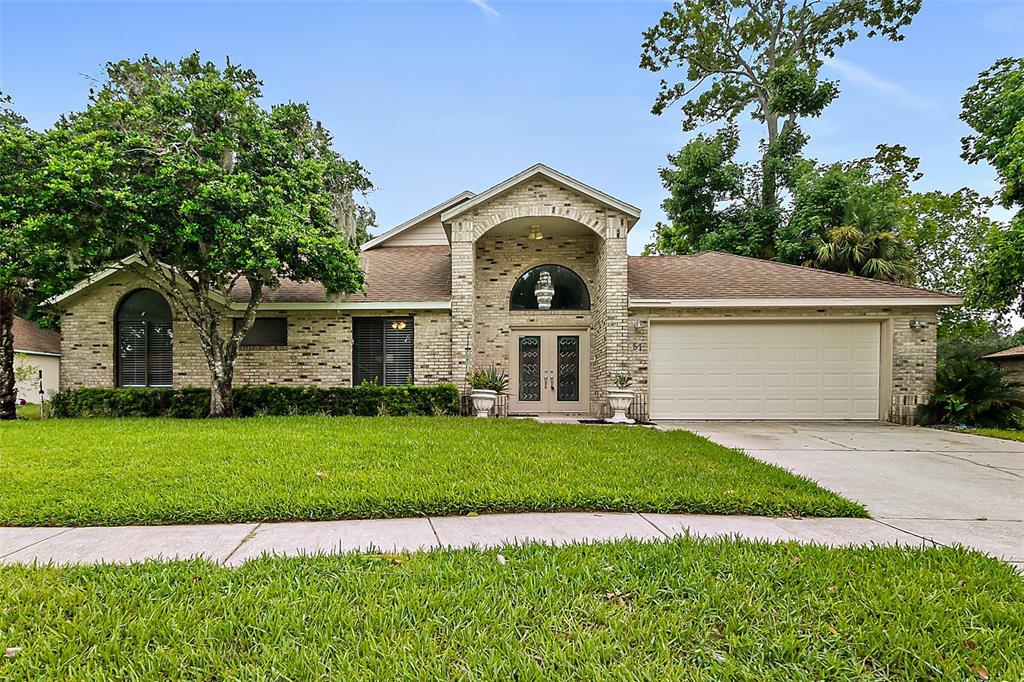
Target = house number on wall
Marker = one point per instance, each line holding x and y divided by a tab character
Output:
638	346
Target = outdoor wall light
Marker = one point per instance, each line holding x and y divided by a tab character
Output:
639	324
535	232
915	325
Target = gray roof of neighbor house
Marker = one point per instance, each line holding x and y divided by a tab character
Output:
713	275
29	338
1015	353
402	274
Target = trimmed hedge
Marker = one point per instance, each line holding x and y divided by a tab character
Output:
252	401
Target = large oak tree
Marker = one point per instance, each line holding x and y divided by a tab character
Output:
180	162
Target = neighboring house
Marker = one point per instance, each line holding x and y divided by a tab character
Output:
467	284
36	360
1011	358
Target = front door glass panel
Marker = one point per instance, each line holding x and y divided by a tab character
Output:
568	368
529	369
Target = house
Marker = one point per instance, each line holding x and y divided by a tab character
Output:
532	276
1011	358
36	361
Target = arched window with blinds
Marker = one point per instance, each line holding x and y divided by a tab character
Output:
145	338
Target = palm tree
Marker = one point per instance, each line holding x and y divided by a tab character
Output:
865	246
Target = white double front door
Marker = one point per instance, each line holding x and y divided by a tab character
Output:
550	371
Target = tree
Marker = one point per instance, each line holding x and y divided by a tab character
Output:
179	162
994	108
19	162
762	57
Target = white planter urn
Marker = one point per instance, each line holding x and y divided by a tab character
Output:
483	401
619	399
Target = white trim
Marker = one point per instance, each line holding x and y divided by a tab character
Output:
36	352
792	302
551	174
119	266
348	305
413	222
94	278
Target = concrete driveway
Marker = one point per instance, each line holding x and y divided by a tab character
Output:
950	488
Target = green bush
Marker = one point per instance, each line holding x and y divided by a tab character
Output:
974	393
250	401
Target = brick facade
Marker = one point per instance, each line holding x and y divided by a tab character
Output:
319	350
489	251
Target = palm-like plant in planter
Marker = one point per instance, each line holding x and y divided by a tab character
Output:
972	392
620	398
486	385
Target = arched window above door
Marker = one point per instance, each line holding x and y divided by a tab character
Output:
145	336
549	287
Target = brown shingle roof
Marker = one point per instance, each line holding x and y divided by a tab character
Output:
30	338
1014	353
714	275
401	274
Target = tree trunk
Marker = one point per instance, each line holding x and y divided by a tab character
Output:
221	401
769	188
8	391
222	373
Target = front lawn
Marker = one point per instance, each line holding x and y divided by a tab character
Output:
158	471
680	610
1005	434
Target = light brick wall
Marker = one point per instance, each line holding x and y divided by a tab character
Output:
484	268
319	350
500	261
913	351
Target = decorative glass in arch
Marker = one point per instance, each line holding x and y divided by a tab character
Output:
549	287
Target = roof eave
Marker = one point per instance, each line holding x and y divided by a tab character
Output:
908	301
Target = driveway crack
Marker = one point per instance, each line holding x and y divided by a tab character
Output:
33	544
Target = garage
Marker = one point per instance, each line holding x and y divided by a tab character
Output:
765	369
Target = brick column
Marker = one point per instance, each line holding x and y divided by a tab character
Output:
463	251
616	327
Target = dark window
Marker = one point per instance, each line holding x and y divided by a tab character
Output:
382	350
266	331
145	339
529	368
570	292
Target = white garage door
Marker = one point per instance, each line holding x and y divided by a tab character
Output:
765	370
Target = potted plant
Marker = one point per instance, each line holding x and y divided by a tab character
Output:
486	384
619	399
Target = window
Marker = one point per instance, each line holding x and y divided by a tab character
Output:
549	287
382	350
266	331
145	337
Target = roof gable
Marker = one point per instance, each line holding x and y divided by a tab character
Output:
550	174
419	221
711	277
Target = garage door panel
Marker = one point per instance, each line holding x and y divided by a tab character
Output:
765	370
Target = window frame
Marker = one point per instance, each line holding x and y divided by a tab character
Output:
383	322
283	321
149	333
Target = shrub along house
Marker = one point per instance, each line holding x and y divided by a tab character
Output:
532	276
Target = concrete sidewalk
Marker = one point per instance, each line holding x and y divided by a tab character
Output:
234	544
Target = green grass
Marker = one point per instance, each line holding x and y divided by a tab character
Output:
158	471
679	610
1006	434
28	411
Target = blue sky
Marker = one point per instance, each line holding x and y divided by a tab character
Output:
437	97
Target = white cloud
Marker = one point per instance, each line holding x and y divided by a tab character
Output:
486	7
860	76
